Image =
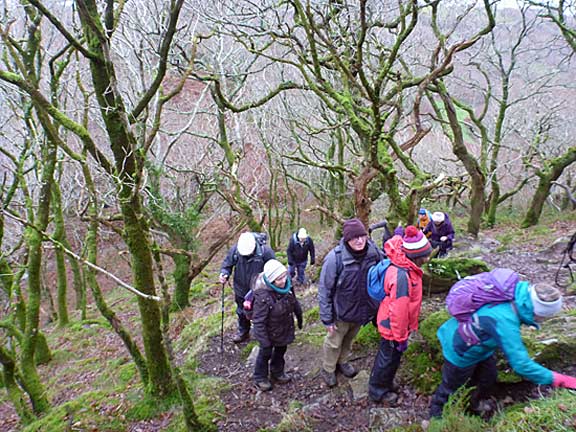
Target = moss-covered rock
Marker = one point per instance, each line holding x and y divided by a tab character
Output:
441	273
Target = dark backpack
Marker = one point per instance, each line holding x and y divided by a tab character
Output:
469	294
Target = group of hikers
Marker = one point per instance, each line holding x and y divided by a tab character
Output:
469	339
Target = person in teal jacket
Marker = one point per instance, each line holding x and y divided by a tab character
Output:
497	327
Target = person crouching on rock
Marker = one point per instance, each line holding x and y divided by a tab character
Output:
273	313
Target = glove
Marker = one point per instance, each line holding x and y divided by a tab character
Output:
402	346
369	231
565	381
300	321
443	238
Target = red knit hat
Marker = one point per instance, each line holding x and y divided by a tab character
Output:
415	244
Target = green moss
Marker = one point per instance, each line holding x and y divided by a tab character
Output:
422	362
89	411
248	349
455	268
455	417
314	335
145	406
312	315
199	291
368	336
195	336
555	413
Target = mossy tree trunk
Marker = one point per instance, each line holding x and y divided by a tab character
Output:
550	172
61	278
129	164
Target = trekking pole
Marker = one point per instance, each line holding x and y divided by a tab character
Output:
222	320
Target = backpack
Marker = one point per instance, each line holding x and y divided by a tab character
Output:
375	279
469	294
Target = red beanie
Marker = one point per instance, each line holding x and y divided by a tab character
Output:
415	244
353	228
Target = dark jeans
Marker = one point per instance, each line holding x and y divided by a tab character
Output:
300	269
243	322
384	370
482	375
443	247
273	355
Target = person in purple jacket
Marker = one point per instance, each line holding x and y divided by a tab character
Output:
440	233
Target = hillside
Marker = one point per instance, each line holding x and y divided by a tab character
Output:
94	386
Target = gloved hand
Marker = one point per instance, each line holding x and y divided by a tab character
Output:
402	346
300	321
565	381
223	278
443	238
369	231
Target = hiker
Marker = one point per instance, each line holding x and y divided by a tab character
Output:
299	247
424	218
342	294
386	235
274	308
399	310
247	259
497	326
440	232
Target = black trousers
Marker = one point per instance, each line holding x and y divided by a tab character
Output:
273	357
384	370
482	375
243	322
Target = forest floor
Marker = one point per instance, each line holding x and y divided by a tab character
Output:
89	361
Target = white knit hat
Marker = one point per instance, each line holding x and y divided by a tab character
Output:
438	217
246	244
273	269
302	234
546	299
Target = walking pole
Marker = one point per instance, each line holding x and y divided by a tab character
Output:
222	320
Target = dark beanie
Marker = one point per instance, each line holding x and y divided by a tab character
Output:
353	228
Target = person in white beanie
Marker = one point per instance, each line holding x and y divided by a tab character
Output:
300	247
497	326
440	232
274	308
246	259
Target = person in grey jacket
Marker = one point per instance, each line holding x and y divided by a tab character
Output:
344	302
247	259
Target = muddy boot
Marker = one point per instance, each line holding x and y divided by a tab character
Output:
264	385
283	378
329	378
347	370
241	337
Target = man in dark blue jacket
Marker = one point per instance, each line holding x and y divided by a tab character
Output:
247	259
299	247
344	302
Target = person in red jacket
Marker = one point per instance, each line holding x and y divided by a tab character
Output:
398	312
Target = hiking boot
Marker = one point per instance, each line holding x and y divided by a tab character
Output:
390	398
347	370
241	337
283	378
329	378
264	385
